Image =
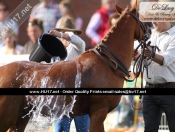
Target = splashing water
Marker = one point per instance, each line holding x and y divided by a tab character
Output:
49	108
78	76
43	62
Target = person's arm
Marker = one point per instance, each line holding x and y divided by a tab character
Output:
77	42
91	30
165	58
156	58
60	34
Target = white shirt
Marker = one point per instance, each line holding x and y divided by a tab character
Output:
49	14
166	72
76	46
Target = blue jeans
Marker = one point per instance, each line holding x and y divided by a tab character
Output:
153	106
82	124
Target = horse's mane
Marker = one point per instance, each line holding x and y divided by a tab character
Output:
111	30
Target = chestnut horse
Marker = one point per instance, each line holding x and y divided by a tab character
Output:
94	71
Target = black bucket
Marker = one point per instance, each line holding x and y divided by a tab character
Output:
48	46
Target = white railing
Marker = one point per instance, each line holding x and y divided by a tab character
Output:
5	59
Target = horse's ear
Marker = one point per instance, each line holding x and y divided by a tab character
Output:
134	7
118	9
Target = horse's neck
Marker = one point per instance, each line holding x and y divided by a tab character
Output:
121	41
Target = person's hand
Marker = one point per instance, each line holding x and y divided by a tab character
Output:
60	34
135	54
54	33
148	52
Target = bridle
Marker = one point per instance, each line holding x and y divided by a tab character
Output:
143	26
99	50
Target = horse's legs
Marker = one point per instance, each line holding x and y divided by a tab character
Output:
20	124
96	120
9	111
4	129
102	128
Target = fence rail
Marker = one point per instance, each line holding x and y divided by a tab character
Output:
163	127
5	59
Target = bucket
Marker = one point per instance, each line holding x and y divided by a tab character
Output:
48	46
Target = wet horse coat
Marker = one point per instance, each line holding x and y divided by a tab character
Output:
93	71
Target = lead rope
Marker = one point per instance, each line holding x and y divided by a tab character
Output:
135	85
153	49
139	69
140	96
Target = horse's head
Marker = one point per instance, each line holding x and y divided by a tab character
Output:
142	30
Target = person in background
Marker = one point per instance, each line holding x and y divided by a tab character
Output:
126	115
34	30
5	21
113	19
48	11
75	46
161	73
98	24
67	33
10	40
66	9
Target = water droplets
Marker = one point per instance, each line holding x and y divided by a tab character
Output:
78	76
48	108
55	59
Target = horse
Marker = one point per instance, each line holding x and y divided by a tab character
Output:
100	67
